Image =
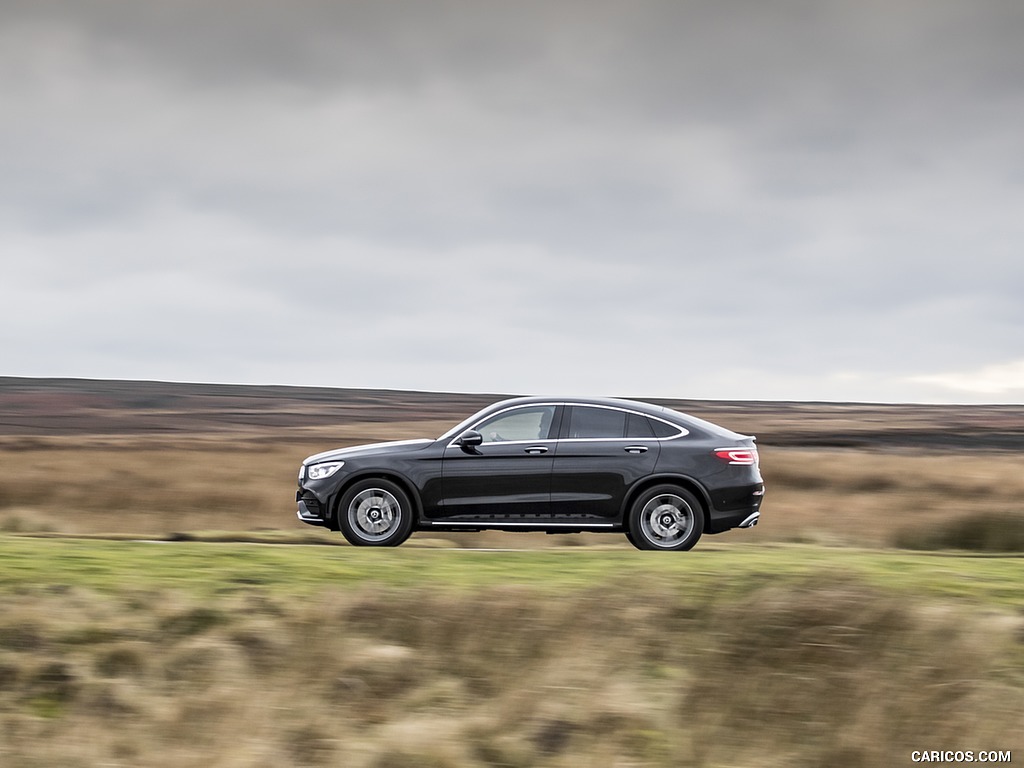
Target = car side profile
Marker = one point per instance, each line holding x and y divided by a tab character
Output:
558	465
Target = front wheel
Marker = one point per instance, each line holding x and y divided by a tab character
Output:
375	513
665	517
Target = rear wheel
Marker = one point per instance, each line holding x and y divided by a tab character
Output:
375	513
665	517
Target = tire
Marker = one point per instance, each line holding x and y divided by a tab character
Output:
666	518
375	513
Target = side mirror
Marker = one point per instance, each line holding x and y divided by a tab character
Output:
469	440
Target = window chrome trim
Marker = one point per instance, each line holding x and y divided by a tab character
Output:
520	442
682	431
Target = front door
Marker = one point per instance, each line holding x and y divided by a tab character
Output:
509	475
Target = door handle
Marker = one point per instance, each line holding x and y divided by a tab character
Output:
636	449
536	450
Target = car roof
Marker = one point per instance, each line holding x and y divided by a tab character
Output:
608	402
611	402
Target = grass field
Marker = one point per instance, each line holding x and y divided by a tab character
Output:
209	569
822	637
192	654
139	486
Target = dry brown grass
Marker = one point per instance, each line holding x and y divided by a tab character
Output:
859	497
833	673
145	490
829	671
151	486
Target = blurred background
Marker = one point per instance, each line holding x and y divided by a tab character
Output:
152	458
800	220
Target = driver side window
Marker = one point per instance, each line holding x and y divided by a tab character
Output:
527	423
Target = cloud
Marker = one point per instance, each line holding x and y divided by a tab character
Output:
718	199
1001	379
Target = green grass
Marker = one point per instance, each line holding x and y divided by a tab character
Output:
174	655
736	570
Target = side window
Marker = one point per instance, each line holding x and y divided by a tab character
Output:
638	426
661	429
596	423
527	423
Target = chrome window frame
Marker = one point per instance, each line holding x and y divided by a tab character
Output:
467	424
683	431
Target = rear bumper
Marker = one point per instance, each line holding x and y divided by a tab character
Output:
751	521
736	508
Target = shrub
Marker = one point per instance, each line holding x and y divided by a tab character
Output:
978	532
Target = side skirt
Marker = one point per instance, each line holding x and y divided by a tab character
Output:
549	526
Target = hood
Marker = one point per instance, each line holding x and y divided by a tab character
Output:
392	446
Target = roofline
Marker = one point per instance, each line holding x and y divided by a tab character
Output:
613	402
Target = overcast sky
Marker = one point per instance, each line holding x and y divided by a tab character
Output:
708	199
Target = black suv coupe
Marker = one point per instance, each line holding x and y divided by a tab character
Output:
559	465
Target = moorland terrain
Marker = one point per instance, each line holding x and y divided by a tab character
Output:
159	458
876	610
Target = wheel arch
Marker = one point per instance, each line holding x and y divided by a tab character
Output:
683	481
371	474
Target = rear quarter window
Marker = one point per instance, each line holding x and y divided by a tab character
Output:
638	426
663	429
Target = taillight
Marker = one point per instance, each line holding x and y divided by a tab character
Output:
742	457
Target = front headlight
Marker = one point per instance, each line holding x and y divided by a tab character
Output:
323	471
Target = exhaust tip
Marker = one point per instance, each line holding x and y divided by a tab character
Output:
751	521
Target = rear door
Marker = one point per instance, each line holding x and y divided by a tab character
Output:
600	453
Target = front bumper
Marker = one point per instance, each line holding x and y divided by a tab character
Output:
310	510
